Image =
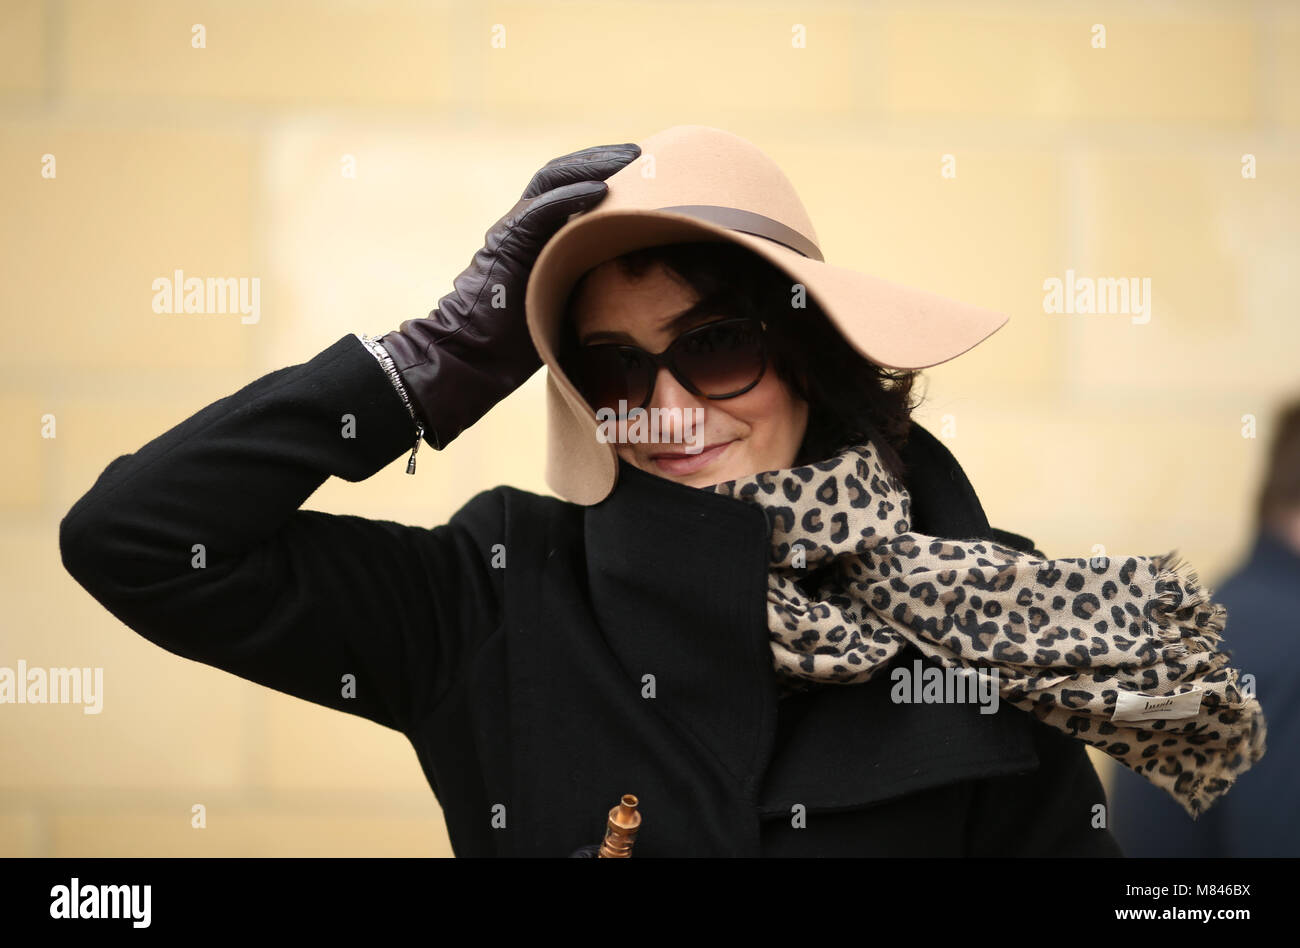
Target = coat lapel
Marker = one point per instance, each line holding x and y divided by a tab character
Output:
645	668
678	580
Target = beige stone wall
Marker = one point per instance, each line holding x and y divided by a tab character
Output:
1078	430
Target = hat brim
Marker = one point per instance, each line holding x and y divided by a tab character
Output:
895	326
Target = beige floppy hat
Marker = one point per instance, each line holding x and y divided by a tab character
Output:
696	183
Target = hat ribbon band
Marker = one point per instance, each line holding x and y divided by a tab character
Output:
748	222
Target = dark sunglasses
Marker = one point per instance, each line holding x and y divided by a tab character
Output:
721	359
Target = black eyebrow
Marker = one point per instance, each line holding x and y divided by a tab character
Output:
699	308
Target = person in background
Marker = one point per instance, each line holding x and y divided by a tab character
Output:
1260	817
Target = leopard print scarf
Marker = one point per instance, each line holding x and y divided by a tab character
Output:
1111	651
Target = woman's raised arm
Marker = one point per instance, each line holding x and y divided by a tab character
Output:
196	542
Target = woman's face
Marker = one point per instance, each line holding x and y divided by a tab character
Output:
760	430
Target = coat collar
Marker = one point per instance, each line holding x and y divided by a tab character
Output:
944	503
695	565
657	580
673	581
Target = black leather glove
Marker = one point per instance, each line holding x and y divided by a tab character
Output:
474	349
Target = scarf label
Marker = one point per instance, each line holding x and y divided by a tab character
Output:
1135	706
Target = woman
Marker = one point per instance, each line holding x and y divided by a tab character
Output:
680	624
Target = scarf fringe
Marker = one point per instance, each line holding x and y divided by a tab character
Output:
1216	776
1184	606
1185	609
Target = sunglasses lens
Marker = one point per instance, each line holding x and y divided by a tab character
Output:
610	374
722	358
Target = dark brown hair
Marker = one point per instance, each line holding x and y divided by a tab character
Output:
850	398
1279	497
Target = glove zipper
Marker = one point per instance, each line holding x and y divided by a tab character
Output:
419	435
377	349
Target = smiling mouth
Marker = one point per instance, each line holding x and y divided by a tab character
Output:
682	463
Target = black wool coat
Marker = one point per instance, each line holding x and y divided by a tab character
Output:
513	644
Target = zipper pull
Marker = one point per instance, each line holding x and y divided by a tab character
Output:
419	435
